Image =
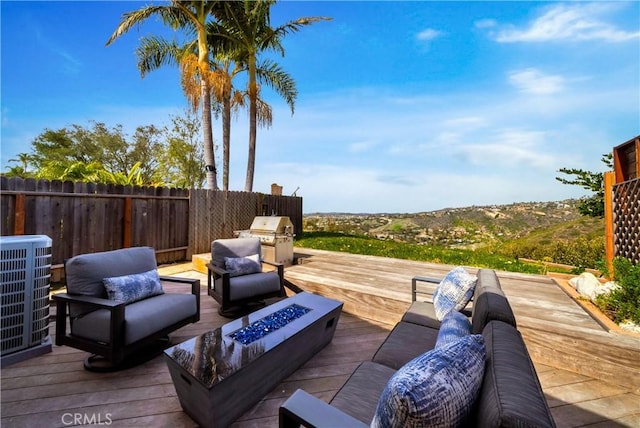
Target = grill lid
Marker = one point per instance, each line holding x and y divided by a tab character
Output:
272	225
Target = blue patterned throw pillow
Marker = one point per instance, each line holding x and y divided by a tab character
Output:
131	288
237	266
455	325
454	292
435	389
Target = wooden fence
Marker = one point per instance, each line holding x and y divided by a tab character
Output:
87	217
622	203
218	214
626	219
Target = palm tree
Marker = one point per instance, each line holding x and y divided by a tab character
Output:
23	159
245	25
15	171
191	16
154	52
231	99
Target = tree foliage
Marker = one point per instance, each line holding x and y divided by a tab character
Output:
190	17
221	39
169	156
182	159
78	152
591	206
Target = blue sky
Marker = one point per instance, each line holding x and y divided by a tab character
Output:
402	106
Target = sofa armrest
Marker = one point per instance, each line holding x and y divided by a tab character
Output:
195	283
304	409
195	289
94	302
115	307
414	285
216	270
278	266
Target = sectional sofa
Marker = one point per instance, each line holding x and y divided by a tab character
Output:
508	393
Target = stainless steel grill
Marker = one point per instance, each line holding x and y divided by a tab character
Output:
276	236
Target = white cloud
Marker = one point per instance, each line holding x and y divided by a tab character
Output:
533	81
69	63
513	147
327	188
5	116
456	149
467	122
486	23
428	35
362	146
572	22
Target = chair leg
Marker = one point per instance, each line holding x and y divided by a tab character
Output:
100	364
239	311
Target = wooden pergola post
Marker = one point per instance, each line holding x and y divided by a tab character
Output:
609	181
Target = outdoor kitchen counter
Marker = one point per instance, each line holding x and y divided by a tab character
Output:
276	236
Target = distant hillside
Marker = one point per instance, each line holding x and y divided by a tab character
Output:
538	223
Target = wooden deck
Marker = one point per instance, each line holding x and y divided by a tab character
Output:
557	330
52	389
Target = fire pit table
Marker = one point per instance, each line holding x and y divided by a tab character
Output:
221	374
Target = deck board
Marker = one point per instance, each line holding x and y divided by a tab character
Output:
557	330
39	391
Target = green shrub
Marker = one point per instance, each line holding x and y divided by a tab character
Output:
624	303
582	252
358	244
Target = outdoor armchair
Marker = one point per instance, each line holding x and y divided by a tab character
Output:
236	277
117	308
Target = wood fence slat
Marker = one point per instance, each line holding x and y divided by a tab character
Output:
30	208
78	215
7	207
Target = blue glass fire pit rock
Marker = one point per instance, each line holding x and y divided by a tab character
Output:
259	329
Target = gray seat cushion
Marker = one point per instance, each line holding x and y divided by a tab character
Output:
141	318
511	395
359	396
236	247
405	342
422	313
255	284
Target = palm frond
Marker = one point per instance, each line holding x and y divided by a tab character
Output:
238	100
219	83
153	52
272	75
264	113
189	79
297	24
170	15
